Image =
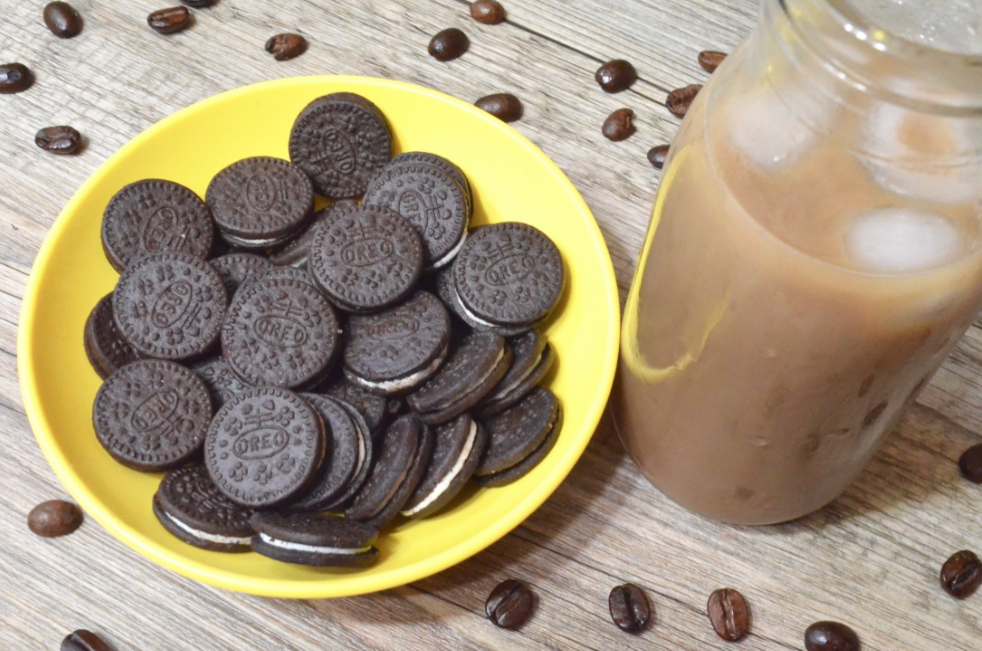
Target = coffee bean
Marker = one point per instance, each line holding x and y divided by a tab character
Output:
504	106
62	140
82	640
509	604
710	60
874	414
14	78
286	46
448	44
198	4
679	100
729	614
657	155
961	574
629	608
62	19
831	636
970	464
489	12
615	76
54	518
170	20
619	125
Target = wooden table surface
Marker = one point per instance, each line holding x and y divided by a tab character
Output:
871	559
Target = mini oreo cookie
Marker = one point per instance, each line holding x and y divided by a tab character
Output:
281	332
295	252
457	449
396	350
104	345
508	274
264	447
341	141
152	415
470	373
373	408
532	357
525	466
190	506
221	381
345	453
260	202
515	434
315	540
170	305
432	200
445	290
236	269
153	216
366	259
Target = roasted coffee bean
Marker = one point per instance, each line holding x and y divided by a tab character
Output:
629	608
615	76
489	12
619	125
62	140
286	46
961	574
14	78
970	464
448	44
729	614
54	518
509	604
504	106
62	19
82	640
680	99
657	155
170	20
198	4
710	60
831	636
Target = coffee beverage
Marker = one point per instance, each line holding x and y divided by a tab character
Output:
509	604
504	106
54	518
619	125
729	614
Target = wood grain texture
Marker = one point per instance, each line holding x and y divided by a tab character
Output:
870	559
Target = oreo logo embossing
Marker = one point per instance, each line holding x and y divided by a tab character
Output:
167	229
394	328
260	443
367	252
509	270
280	331
337	150
155	411
172	304
262	192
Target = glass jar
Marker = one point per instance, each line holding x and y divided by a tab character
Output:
813	256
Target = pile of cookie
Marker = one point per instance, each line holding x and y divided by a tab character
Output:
307	378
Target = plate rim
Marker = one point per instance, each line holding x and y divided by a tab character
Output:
287	588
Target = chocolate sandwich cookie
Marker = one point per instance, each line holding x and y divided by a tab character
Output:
264	447
260	202
346	452
366	259
531	359
445	290
291	273
152	415
457	449
396	350
432	200
170	305
444	164
402	448
372	407
508	274
366	452
471	372
152	216
295	252
525	466
316	540
221	381
190	506
515	434
341	141
236	269
281	332
104	345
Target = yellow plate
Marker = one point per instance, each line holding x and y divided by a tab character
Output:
513	180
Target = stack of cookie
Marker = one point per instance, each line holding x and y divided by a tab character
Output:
308	377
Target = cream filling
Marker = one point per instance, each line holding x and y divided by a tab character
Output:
392	386
210	537
470	315
442	262
444	484
246	243
507	392
282	544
